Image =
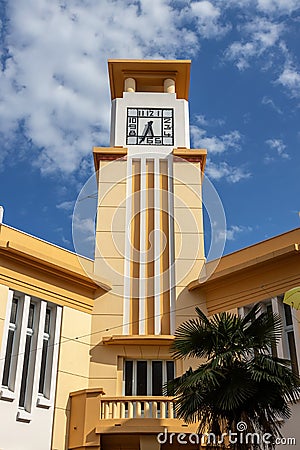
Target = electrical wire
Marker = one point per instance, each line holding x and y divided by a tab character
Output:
77	338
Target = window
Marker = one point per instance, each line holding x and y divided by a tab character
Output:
157	377
46	356
30	352
128	377
170	373
289	337
29	355
9	369
286	348
143	378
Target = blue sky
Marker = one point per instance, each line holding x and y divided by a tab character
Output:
244	103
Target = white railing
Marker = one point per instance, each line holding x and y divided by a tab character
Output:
137	408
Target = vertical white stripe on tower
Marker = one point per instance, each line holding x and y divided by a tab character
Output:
143	259
171	244
157	249
126	301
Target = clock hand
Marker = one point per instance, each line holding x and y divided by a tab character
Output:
148	130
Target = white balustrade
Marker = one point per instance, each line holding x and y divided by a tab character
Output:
137	408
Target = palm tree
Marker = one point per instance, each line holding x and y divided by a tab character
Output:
238	383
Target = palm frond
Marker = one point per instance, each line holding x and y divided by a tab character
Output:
240	379
264	331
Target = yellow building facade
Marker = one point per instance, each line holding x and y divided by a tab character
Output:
86	343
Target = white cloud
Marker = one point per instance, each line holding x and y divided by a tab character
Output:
207	18
264	32
241	53
236	229
260	35
269	7
83	235
279	146
279	6
215	144
290	79
54	83
86	226
232	174
202	120
55	79
262	40
232	232
268	159
65	241
66	206
268	101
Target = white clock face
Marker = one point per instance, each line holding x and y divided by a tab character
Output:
150	126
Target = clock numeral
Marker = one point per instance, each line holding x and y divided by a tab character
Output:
132	126
149	113
154	140
167	129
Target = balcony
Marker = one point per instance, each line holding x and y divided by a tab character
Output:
137	408
94	415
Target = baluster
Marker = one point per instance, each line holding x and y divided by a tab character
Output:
114	410
138	409
106	410
170	410
154	410
163	410
146	409
122	410
130	410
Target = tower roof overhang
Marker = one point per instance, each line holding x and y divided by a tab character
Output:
149	75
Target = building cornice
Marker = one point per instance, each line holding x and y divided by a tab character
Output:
59	269
237	281
192	155
219	275
41	269
137	340
107	154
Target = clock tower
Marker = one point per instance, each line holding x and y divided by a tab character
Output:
149	233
